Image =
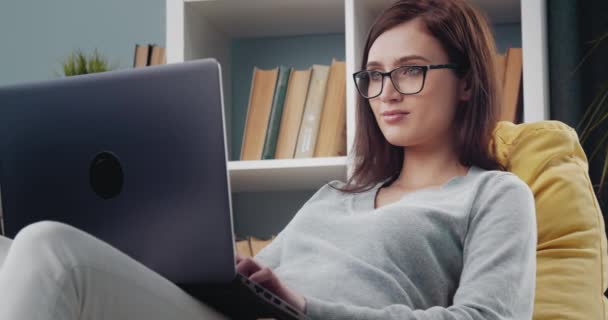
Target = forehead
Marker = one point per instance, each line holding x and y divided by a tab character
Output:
410	38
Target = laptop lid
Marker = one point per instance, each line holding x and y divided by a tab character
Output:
134	157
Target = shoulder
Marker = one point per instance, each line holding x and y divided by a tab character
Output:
503	191
332	191
492	181
329	190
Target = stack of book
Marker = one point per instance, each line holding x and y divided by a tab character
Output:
509	71
250	246
296	113
148	55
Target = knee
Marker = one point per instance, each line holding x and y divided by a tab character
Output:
42	232
46	252
41	240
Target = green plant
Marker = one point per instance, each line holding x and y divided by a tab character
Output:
594	120
78	63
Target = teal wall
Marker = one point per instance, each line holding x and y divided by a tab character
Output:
507	36
35	36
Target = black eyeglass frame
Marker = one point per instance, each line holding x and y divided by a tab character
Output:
424	69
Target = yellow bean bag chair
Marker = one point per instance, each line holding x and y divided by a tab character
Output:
571	274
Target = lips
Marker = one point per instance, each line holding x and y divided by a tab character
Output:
394	112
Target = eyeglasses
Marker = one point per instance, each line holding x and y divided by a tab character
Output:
405	79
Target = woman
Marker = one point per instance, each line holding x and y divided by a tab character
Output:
428	227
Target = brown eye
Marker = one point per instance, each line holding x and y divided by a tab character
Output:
411	71
375	75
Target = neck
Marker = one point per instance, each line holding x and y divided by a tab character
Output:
426	166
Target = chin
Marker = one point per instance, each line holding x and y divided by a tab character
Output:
399	138
400	141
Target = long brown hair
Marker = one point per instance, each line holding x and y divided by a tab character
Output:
468	41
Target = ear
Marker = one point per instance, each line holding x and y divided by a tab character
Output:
465	88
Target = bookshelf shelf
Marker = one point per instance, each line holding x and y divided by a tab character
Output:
285	174
204	28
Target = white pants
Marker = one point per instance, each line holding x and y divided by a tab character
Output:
54	271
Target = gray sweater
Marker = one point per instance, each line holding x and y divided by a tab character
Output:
465	250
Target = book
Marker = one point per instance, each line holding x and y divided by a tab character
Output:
141	56
263	84
309	129
512	85
331	140
150	49
276	112
500	69
297	88
257	244
158	55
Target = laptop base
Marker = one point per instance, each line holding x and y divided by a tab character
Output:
243	299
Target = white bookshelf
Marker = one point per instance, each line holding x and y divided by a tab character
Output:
285	174
535	61
205	28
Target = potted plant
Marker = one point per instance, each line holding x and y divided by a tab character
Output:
79	63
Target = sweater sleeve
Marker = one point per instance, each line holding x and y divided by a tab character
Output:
499	264
270	255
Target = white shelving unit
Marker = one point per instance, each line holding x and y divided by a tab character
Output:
284	174
206	28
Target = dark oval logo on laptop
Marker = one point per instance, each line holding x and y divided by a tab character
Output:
106	175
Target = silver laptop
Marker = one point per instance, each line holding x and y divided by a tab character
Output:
137	158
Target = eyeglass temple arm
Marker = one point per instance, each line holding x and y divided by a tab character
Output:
444	66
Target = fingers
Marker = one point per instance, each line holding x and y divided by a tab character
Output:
268	279
258	273
247	266
263	275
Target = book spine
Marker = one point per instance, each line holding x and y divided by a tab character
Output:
135	55
258	113
278	101
141	55
149	57
295	98
511	86
331	141
307	138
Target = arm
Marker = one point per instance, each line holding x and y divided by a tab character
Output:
270	255
499	264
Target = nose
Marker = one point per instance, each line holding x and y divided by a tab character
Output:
389	92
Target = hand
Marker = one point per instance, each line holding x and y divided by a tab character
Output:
265	277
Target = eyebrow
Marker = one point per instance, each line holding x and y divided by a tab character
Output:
400	60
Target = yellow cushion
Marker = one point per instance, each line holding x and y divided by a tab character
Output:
571	274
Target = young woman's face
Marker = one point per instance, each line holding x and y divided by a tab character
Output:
431	111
